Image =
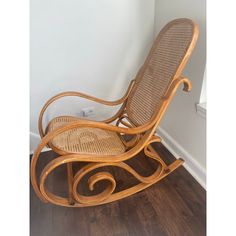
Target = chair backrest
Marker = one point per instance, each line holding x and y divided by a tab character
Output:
165	62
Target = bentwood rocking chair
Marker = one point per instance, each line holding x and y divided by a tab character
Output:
102	144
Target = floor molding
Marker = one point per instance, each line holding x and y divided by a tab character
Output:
192	166
34	141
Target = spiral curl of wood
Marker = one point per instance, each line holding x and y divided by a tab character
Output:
106	195
76	199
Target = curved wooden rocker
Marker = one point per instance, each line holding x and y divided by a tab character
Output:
102	144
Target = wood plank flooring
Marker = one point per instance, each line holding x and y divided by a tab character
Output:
175	206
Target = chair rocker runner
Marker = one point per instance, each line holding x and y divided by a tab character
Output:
102	144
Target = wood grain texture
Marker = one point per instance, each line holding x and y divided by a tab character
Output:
174	206
143	107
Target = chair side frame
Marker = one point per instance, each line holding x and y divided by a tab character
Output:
147	137
97	161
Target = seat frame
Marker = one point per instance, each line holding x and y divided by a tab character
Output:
145	135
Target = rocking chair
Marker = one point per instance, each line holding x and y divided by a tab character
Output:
103	144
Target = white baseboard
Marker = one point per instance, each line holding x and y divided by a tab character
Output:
34	141
192	166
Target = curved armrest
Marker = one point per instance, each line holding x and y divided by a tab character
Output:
175	84
82	95
94	124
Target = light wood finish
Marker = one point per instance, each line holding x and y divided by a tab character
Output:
82	95
70	180
84	140
101	144
174	206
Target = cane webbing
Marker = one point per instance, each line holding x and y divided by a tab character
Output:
85	140
159	69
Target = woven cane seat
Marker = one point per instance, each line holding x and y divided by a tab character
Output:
85	140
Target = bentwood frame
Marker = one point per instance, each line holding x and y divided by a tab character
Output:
143	136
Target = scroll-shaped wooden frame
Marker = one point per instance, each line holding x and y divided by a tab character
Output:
144	137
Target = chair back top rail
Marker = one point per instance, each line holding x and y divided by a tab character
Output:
165	62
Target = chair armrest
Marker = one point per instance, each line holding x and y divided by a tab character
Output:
174	86
91	124
82	95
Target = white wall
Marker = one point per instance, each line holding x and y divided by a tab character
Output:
90	46
97	47
203	96
183	129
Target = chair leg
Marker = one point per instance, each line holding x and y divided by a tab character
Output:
108	194
70	178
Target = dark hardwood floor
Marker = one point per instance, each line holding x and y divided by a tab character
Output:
175	206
